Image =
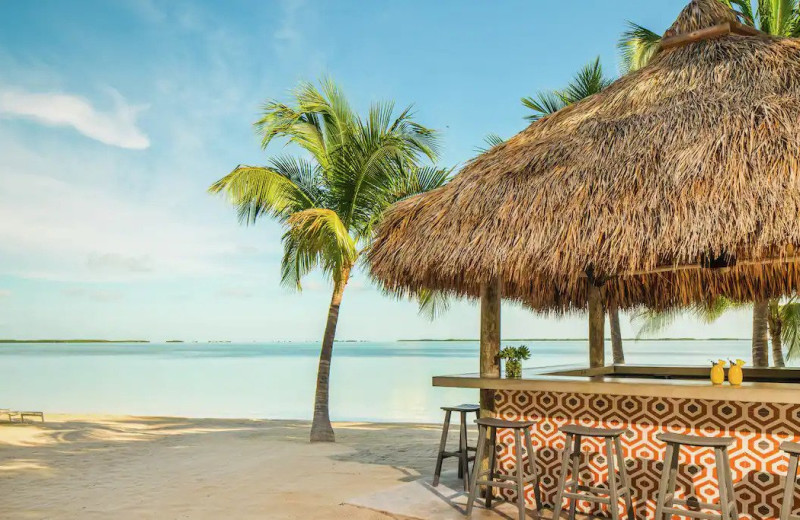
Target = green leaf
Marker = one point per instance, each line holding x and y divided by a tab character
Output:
637	46
544	103
432	304
587	82
790	329
491	140
316	237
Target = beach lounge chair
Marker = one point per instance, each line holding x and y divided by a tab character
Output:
22	415
7	412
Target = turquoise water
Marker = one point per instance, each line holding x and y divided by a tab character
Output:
369	381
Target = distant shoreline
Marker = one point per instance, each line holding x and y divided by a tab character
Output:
74	341
573	339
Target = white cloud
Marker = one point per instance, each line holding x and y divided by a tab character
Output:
288	33
5	293
97	295
235	292
51	229
116	127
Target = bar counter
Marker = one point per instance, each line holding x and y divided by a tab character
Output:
760	414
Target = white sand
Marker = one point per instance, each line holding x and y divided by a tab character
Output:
166	467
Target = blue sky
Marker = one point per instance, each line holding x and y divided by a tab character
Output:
116	116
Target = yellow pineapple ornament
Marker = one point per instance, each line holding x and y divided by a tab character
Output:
718	372
735	374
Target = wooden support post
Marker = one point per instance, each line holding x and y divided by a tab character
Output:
597	320
490	340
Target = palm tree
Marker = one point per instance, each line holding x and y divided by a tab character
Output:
330	199
638	45
760	352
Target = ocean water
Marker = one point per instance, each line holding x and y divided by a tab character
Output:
369	381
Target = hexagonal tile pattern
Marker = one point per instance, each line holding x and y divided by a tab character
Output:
757	463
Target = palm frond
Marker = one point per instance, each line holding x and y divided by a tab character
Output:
257	190
490	141
432	304
588	81
637	46
650	322
363	168
316	237
790	329
744	8
544	103
709	313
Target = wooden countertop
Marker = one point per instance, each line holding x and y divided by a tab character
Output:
643	380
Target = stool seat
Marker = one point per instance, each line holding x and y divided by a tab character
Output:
791	447
462	408
695	440
588	431
503	423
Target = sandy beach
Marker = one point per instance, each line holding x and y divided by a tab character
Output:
166	467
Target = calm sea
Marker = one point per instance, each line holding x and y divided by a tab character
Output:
369	381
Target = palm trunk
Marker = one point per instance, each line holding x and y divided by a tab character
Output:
616	335
775	326
760	352
321	429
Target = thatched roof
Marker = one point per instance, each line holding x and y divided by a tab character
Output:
686	163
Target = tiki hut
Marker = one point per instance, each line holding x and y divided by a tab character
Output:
677	184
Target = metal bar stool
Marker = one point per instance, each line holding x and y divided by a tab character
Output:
618	485
793	449
665	500
489	442
463	446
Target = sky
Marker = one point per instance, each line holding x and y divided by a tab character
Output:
116	116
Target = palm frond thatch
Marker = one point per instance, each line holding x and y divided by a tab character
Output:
685	164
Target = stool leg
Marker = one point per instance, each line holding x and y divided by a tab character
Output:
492	465
562	479
537	493
623	473
663	485
476	469
788	489
731	492
576	474
463	455
722	484
520	475
440	457
613	492
461	446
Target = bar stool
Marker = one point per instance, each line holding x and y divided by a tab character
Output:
463	447
489	442
793	449
665	500
616	488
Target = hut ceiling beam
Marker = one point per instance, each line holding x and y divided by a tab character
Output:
715	31
689	267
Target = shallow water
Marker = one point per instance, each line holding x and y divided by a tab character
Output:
369	381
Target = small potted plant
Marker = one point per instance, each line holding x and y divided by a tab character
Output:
514	357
